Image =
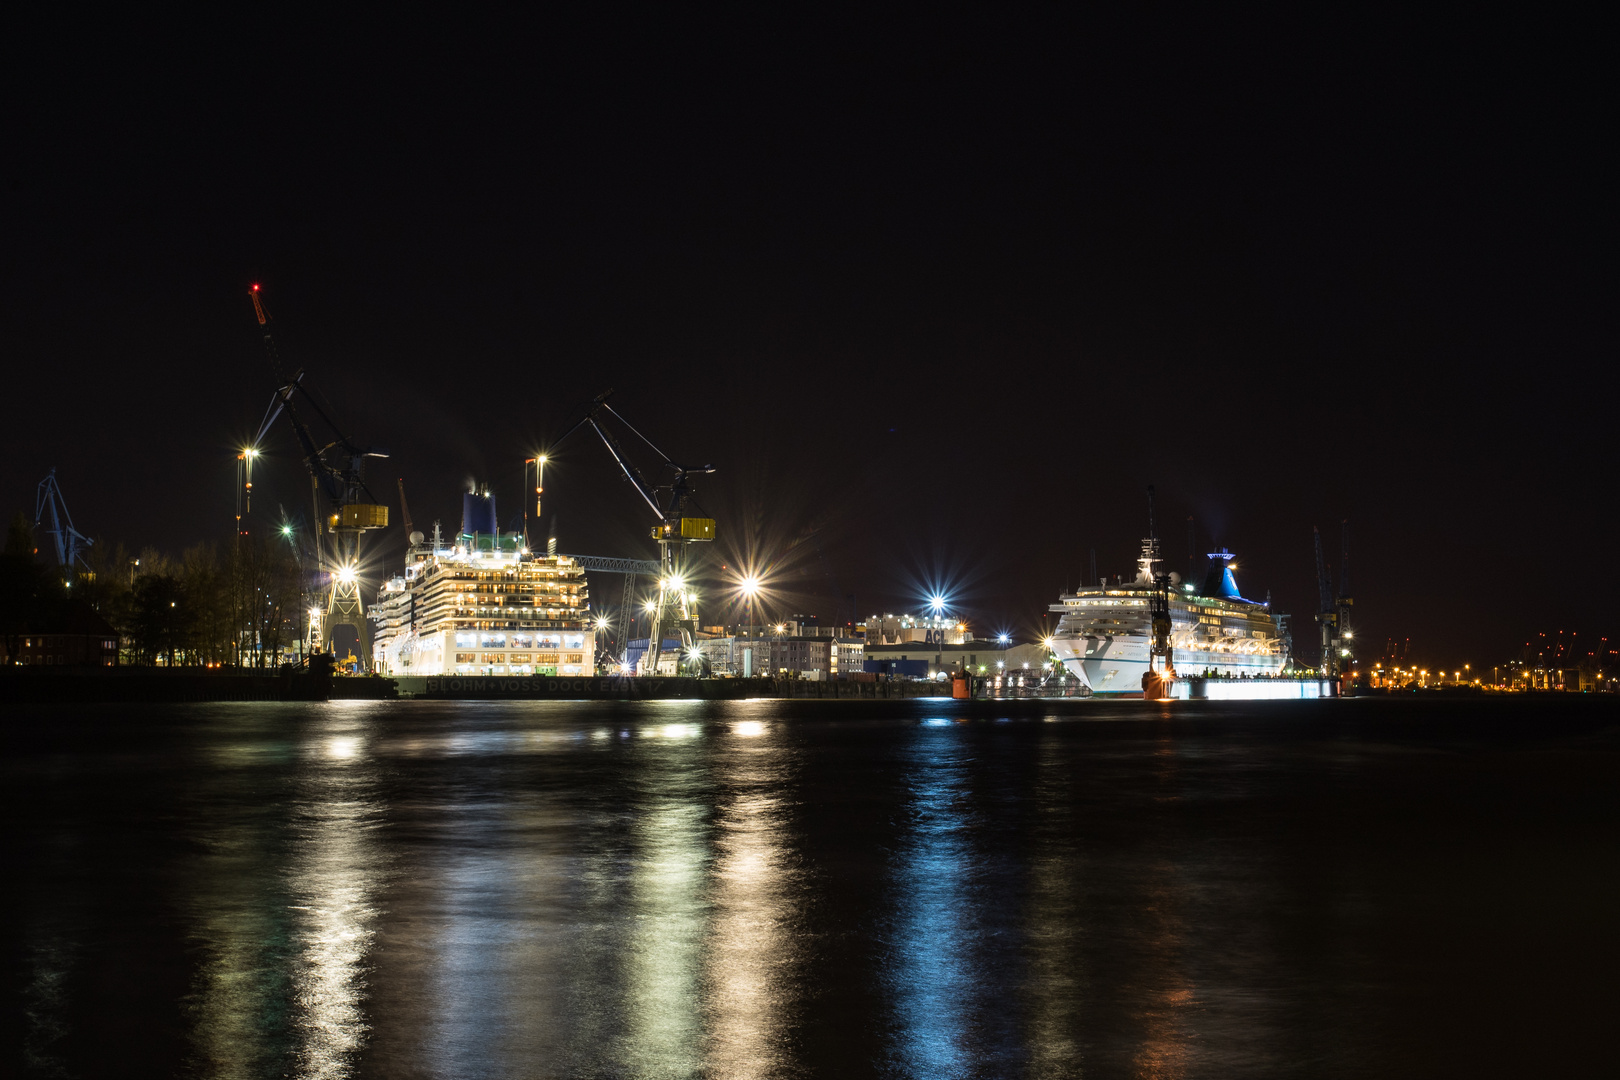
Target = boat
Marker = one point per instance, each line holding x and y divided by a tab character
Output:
1104	633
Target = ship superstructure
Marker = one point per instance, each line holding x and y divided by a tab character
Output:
483	604
1105	635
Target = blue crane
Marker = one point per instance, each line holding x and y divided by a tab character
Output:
69	542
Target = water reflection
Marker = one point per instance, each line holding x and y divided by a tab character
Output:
240	922
1167	991
46	1031
284	908
332	883
1056	922
663	956
931	980
751	964
640	891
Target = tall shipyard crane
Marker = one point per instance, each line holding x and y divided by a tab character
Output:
337	476
67	541
674	531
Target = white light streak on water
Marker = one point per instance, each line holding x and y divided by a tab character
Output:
664	948
751	951
332	882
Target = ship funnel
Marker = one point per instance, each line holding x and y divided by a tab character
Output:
1219	581
478	514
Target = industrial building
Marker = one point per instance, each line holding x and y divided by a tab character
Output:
939	629
818	659
987	658
483	604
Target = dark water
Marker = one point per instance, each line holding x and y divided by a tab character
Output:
812	889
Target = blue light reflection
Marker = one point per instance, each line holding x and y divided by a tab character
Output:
931	978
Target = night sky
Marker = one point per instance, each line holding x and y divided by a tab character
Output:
938	297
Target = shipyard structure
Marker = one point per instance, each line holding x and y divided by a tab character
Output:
482	603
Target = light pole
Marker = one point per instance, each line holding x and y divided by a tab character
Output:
602	625
539	463
750	590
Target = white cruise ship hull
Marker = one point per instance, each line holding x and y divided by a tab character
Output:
1116	666
1104	633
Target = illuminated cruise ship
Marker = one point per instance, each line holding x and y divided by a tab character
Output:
1104	636
483	605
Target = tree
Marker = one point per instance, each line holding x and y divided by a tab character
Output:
268	595
30	595
164	620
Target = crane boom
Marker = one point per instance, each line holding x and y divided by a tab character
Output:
405	509
64	538
340	477
674	531
1324	588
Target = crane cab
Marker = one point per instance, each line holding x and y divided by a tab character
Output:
697	529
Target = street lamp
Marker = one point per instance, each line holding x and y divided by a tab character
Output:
539	463
749	587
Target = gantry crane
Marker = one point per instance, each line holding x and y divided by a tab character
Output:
337	473
67	541
674	531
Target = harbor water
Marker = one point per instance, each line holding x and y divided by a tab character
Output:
762	888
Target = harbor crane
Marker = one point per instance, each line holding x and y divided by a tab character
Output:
1333	613
674	532
69	543
1343	643
1155	681
337	473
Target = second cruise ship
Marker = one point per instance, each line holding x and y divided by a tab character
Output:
1104	635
